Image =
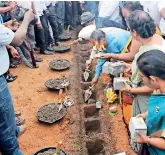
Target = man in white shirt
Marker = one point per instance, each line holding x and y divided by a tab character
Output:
8	129
156	10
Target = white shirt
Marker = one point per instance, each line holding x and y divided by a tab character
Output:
6	37
153	8
109	9
39	7
86	32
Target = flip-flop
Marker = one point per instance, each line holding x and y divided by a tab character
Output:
19	121
17	113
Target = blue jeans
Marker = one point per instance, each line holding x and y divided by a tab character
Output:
8	129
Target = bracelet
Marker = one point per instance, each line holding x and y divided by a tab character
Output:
148	140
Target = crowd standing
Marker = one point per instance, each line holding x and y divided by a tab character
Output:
129	31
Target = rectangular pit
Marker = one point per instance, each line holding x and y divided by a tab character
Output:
91	111
95	147
92	127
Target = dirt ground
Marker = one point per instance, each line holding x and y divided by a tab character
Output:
29	94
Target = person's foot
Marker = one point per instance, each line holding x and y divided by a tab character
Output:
10	78
38	59
22	129
57	43
36	66
49	48
47	53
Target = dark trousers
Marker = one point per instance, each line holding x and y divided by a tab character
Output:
52	18
60	14
106	22
40	39
43	37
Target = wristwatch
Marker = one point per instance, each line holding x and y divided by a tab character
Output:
148	140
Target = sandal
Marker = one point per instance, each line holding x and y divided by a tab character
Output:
17	113
19	121
38	59
10	78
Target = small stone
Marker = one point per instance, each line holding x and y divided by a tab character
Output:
91	101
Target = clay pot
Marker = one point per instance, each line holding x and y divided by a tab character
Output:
127	98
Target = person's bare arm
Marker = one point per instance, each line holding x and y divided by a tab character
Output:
5	9
141	90
127	57
20	34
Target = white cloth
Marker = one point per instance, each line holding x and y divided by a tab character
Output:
109	9
162	26
6	37
153	8
39	7
86	32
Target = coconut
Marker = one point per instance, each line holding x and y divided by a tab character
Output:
113	109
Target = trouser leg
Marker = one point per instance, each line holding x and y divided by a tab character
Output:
8	138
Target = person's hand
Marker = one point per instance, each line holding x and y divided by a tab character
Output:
39	26
104	56
12	24
125	90
94	81
88	63
143	138
14	52
128	67
29	16
142	115
12	4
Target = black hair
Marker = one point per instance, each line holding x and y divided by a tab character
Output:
98	35
132	5
142	23
152	63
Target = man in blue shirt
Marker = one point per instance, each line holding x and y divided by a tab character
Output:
115	41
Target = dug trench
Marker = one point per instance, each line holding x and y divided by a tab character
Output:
101	134
85	130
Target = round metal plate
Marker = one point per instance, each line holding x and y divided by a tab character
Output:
56	84
51	110
61	49
48	148
59	64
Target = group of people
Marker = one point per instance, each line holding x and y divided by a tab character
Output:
127	31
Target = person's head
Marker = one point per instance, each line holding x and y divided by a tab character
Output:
141	25
152	68
98	37
128	7
87	18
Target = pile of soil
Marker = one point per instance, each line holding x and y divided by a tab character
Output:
49	113
51	152
56	84
61	48
59	64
